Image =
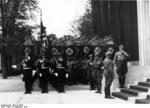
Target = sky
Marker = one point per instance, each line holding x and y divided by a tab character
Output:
59	14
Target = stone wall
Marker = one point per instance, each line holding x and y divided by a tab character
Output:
0	62
137	73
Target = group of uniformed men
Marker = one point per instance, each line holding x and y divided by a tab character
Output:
56	70
106	67
45	71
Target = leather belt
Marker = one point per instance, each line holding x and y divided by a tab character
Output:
27	68
60	67
44	67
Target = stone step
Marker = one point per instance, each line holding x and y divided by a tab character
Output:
148	80
140	88
131	91
147	84
122	95
148	97
142	101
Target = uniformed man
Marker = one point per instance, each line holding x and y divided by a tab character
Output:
110	49
53	78
70	79
98	71
75	72
97	51
27	64
61	73
43	68
91	76
108	74
84	68
70	53
120	60
78	71
72	72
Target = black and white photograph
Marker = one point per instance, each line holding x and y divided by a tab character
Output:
74	52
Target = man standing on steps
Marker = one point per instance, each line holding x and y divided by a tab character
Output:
120	60
108	74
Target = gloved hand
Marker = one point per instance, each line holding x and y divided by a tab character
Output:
22	77
102	67
56	74
33	72
67	75
40	75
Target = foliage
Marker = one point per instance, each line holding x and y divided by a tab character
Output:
15	15
83	25
71	41
83	28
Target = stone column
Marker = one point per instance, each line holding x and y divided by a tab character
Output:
143	10
0	62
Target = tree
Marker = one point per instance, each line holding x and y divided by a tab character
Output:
83	25
51	37
14	16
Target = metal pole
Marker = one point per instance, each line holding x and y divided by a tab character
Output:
40	13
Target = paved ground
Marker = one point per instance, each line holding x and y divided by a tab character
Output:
12	92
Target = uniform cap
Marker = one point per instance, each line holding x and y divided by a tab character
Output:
108	53
90	56
121	46
27	50
110	50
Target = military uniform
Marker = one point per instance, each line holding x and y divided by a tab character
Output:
72	73
120	60
108	73
84	68
60	73
98	72
53	78
75	73
27	64
91	74
78	71
43	68
44	50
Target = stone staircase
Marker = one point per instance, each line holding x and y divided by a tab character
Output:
143	101
138	93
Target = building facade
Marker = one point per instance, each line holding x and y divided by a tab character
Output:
129	23
0	36
117	18
143	10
